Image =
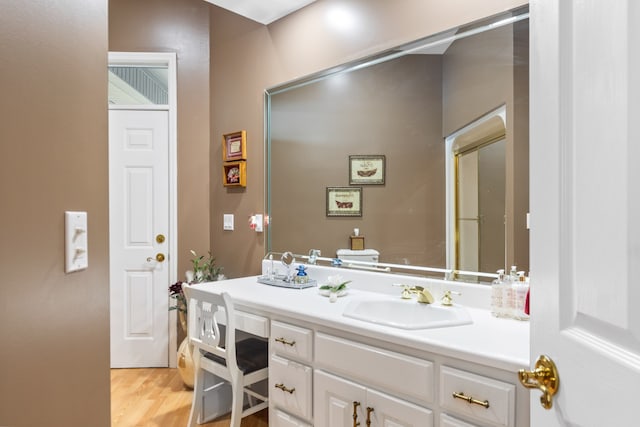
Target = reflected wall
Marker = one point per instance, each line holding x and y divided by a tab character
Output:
392	109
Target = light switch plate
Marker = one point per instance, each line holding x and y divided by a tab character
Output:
259	223
76	242
228	222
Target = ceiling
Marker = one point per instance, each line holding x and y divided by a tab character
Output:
262	11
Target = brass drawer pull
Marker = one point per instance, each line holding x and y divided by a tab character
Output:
285	342
369	411
283	388
470	399
356	423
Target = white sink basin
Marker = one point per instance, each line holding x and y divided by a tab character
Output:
407	314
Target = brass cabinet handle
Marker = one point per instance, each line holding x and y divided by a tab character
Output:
544	377
369	411
285	342
356	423
470	399
283	388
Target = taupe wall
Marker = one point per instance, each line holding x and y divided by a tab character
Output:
393	109
180	26
54	356
520	244
247	57
478	80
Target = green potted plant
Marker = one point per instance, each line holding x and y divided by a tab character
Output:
205	269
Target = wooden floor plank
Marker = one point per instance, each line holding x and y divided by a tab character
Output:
156	397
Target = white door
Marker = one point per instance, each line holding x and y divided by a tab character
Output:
139	237
585	208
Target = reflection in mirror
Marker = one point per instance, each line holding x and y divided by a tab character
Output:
476	188
403	105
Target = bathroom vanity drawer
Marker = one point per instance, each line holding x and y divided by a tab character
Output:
254	324
396	373
291	341
282	419
497	396
290	386
447	421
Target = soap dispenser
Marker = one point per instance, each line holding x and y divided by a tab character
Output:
509	293
496	294
521	290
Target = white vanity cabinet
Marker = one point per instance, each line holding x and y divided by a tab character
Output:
369	383
321	362
342	403
324	378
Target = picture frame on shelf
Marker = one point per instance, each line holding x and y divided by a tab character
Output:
367	169
344	201
234	146
234	174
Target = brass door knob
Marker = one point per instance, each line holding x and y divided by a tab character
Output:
159	257
544	377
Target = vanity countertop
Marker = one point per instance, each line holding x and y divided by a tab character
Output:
499	343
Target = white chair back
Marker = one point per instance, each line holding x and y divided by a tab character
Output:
207	312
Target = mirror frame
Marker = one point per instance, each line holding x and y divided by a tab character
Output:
446	37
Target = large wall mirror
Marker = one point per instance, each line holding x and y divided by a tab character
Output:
449	116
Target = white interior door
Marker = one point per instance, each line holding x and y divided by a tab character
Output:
585	208
139	237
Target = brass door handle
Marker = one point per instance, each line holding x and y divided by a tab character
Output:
159	257
544	377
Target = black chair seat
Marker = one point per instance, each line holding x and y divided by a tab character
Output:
251	355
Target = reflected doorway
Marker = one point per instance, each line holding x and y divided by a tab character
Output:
477	195
480	201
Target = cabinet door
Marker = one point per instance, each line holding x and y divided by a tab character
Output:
335	400
389	411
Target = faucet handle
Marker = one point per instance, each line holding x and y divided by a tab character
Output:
447	299
408	290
